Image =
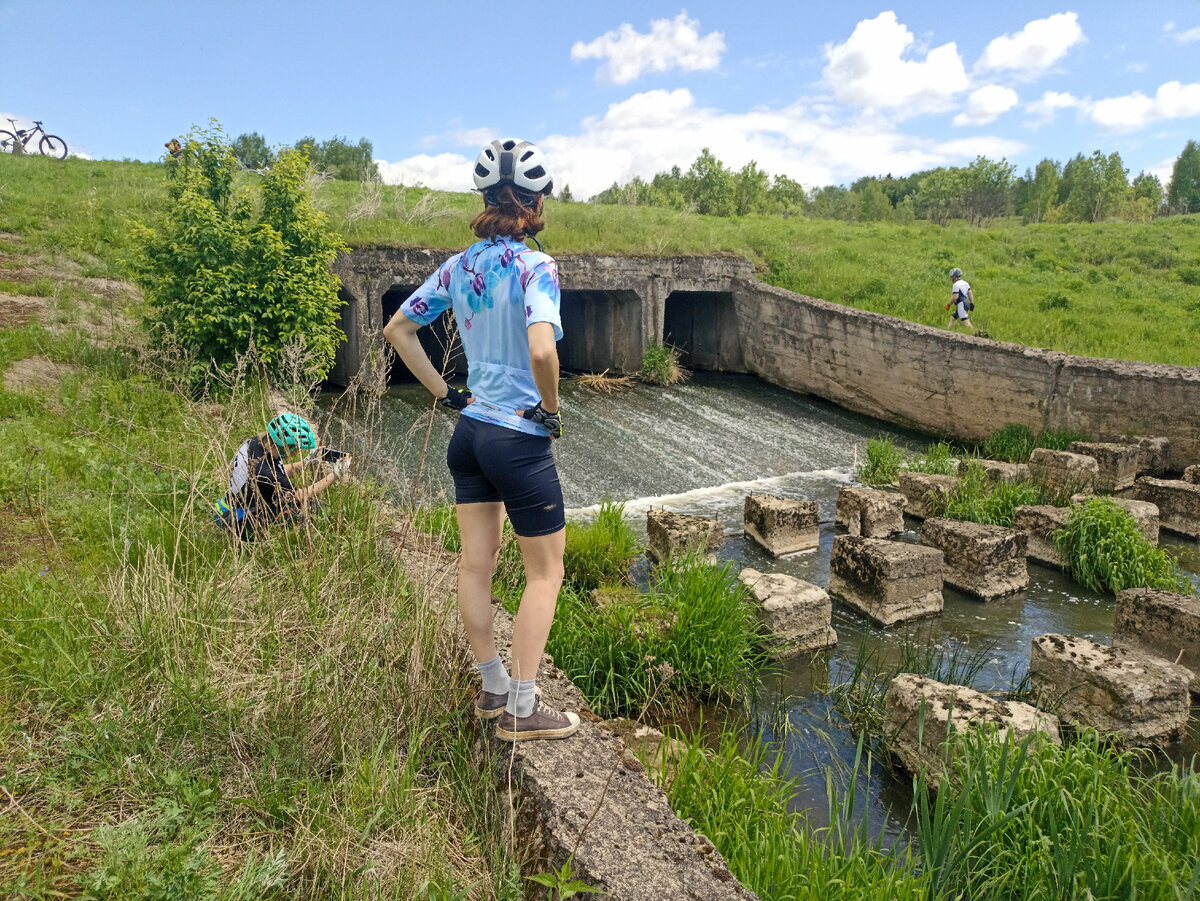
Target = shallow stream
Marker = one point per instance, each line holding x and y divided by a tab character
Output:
700	448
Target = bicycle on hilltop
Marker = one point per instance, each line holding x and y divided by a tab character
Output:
19	139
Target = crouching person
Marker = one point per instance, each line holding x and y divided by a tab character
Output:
261	491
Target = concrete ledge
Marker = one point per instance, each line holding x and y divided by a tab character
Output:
636	847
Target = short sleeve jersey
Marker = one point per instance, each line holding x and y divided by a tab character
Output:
961	294
961	288
258	484
497	289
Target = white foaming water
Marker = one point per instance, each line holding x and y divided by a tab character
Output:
718	500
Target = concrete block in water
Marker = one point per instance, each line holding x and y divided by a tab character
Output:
869	512
1163	624
918	487
1065	471
796	613
782	525
986	561
1120	693
888	581
1118	463
1039	523
920	714
1154	454
1191	475
1178	503
670	534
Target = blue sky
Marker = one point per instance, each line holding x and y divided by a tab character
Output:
823	92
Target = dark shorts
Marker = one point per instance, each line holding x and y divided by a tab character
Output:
490	463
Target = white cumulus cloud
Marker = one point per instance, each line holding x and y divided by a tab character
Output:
652	131
985	104
1186	37
1133	111
1047	107
1033	49
870	70
671	44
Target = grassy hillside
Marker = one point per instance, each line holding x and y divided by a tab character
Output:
1115	290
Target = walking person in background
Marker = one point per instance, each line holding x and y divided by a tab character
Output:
962	300
505	298
260	486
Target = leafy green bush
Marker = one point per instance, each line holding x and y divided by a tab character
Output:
882	463
230	269
660	365
1104	549
601	552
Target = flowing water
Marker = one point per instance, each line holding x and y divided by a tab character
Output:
700	448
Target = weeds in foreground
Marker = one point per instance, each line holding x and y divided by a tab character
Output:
978	499
883	462
1105	550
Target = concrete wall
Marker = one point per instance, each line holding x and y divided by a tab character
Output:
926	378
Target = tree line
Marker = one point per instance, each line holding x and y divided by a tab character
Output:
1083	189
336	157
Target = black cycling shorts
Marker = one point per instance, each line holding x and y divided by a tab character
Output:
492	463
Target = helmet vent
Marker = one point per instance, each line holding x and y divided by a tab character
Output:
526	155
535	172
509	145
480	171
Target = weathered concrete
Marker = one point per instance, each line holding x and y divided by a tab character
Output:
670	533
870	512
1118	463
920	714
1178	503
1063	470
1192	475
985	561
888	581
1118	692
937	381
646	741
782	525
1144	513
797	614
1160	623
996	470
919	488
1154	454
1039	523
635	847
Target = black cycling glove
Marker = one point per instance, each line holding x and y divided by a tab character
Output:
551	421
456	398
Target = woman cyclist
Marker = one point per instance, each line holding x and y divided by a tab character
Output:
505	298
260	486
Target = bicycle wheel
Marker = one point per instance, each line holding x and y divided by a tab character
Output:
53	145
8	142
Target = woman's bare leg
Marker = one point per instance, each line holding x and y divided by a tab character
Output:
543	558
480	527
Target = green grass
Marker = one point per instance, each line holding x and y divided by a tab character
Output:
938	459
882	463
600	552
1105	550
696	620
1029	823
1129	288
185	717
977	499
1014	443
660	365
740	797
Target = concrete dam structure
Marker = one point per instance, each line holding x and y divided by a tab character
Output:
723	319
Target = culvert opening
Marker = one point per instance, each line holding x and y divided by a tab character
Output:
439	340
703	325
601	330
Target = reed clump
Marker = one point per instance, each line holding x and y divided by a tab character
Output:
978	499
660	365
603	383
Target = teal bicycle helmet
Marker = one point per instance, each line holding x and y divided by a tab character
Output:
290	431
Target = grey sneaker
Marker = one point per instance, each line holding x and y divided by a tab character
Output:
490	704
544	722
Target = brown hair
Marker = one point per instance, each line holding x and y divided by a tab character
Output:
508	217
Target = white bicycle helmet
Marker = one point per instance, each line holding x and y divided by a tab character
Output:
516	162
956	272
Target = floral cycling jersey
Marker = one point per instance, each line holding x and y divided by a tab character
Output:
497	290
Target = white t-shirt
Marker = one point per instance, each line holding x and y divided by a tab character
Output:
962	290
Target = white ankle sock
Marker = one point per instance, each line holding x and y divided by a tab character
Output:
521	696
495	676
